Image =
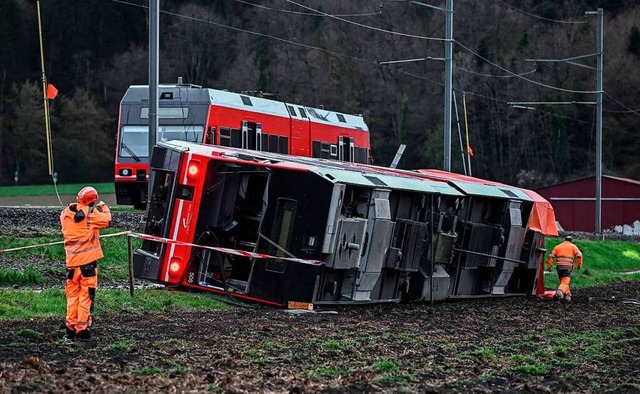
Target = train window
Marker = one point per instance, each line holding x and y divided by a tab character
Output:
326	150
273	143
236	138
246	100
302	112
292	110
316	149
225	136
265	142
361	155
135	141
283	225
166	113
341	118
283	144
182	133
334	150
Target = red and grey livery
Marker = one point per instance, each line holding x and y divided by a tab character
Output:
195	114
377	234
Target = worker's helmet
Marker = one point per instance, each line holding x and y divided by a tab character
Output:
568	238
87	195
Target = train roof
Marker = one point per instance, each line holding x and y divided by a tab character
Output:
331	170
181	93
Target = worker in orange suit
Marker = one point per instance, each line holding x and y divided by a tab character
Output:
81	224
565	255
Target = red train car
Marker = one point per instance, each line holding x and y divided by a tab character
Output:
219	117
278	229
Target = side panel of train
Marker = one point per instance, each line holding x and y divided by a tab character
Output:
336	232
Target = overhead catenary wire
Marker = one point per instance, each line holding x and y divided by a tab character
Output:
334	53
367	26
379	12
522	77
376	63
540	17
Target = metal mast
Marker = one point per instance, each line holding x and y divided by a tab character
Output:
153	79
448	81
600	14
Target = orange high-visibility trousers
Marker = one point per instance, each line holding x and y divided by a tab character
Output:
564	285
80	290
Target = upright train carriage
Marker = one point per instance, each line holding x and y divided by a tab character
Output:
248	120
280	229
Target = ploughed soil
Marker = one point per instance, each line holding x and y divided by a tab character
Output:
522	344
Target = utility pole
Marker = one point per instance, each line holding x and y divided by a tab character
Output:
154	13
600	14
597	103
448	82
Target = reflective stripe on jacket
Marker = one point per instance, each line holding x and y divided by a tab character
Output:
565	254
81	226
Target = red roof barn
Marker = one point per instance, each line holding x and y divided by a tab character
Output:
574	202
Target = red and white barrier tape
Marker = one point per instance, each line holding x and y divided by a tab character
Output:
237	252
56	243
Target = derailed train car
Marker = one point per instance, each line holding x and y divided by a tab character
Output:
279	229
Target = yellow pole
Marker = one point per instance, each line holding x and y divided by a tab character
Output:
466	128
44	97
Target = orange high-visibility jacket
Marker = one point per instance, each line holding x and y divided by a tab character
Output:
81	229
565	253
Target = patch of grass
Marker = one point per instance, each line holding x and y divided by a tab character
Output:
149	371
29	333
50	189
334	344
124	344
27	304
175	368
328	372
387	366
14	277
604	262
485	353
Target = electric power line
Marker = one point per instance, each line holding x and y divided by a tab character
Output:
367	26
308	13
540	17
628	110
523	78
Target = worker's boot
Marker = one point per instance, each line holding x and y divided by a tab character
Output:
567	298
69	333
83	335
559	295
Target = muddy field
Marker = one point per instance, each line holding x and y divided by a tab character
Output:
484	345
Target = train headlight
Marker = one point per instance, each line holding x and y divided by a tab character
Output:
125	171
193	169
174	267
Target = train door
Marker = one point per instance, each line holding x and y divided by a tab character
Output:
346	149
251	135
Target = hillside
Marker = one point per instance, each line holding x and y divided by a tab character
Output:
329	53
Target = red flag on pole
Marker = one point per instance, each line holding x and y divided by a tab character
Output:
52	92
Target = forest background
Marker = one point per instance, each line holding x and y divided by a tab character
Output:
328	52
